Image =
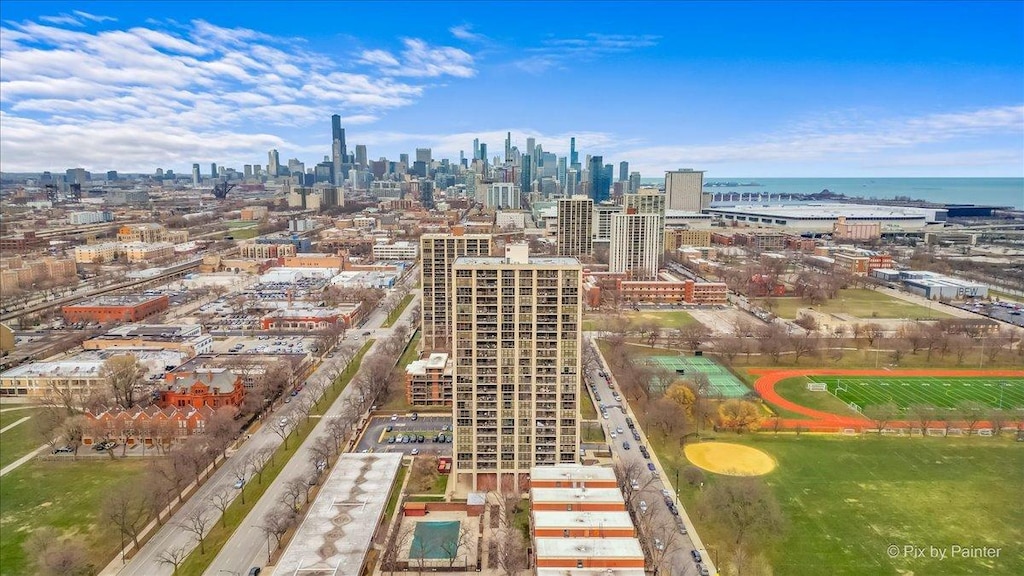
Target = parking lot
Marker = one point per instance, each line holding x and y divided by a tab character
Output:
264	344
375	438
1011	312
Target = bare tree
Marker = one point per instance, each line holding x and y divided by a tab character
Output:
745	507
240	472
321	451
221	499
632	478
294	490
730	347
175	557
881	414
971	412
284	427
276	523
54	556
73	432
693	475
997	418
512	551
126	508
161	487
222	429
124	374
337	429
196	521
303	407
47	423
260	459
693	335
451	547
805	344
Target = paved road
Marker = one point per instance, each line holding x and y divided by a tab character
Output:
172	536
247	547
677	560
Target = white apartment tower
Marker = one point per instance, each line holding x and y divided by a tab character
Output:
648	201
685	190
438	252
635	244
517	347
575	232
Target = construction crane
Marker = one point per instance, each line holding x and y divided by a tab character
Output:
220	191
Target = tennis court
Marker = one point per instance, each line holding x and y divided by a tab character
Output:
435	540
723	383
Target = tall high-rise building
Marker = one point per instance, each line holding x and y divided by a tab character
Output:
483	153
575	231
635	239
508	147
600	186
526	173
195	176
648	201
503	196
404	159
634	182
273	163
572	181
247	170
574	157
424	155
437	253
684	189
213	171
561	172
361	155
603	220
476	148
339	152
531	147
623	171
517	376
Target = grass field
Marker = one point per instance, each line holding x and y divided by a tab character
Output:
939	392
861	303
669	319
846	500
19	440
587	409
66	496
397	313
795	390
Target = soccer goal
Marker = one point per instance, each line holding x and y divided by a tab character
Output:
817	387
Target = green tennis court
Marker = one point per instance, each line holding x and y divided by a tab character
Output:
723	383
434	540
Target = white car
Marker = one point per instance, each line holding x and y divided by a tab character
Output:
612	434
643	507
634	484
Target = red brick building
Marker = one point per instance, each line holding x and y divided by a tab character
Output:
149	427
213	387
104	309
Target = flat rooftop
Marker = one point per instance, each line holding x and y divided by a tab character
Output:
572	473
582	548
560	519
532	261
591	572
335	537
123	300
436	361
589	495
826	211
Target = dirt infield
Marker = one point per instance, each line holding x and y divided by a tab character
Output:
819	421
729	459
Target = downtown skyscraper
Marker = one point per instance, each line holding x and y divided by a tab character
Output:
339	154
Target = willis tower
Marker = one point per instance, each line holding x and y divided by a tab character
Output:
338	152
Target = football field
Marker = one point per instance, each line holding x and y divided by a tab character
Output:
941	392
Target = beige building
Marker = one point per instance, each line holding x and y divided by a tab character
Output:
575	229
438	252
684	190
517	345
96	253
144	252
253	250
150	232
648	201
676	238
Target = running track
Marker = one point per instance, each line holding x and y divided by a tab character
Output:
818	421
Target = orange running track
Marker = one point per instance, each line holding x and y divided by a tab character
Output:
818	421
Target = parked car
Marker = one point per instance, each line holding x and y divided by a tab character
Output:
625	445
643	507
239	483
255	571
658	544
63	450
415	451
696	555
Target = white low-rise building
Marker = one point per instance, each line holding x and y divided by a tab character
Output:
400	250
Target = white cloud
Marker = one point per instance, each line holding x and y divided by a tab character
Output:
465	32
140	97
874	142
556	52
93	17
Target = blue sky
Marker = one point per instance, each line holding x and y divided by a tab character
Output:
744	89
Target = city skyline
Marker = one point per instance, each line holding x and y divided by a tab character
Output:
764	90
